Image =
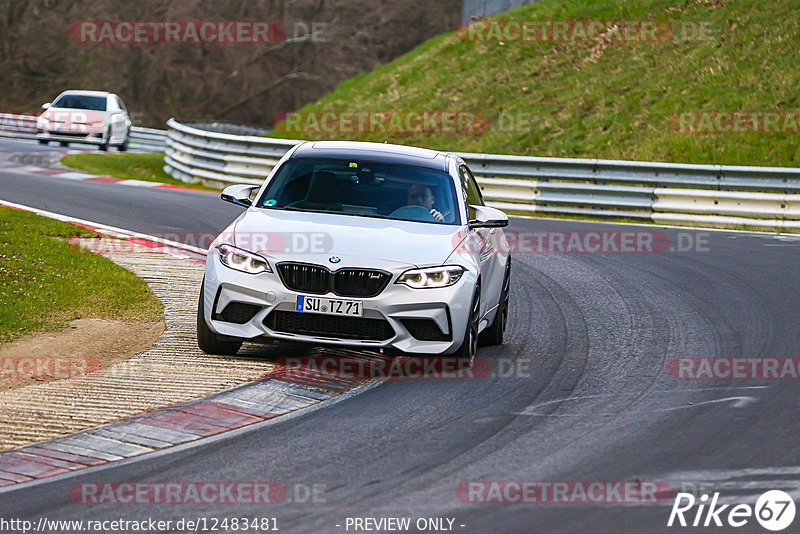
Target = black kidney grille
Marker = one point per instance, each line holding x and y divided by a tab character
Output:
359	282
304	277
317	324
344	282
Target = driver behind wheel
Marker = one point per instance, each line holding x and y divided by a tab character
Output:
421	195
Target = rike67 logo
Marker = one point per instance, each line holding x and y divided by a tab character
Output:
774	510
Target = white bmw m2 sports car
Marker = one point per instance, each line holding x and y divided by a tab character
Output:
364	245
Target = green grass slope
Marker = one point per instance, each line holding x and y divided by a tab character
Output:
577	99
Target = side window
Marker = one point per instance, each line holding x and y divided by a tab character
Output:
474	191
120	104
470	190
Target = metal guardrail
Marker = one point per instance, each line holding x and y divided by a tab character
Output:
485	8
21	126
755	198
233	128
24	127
148	139
193	154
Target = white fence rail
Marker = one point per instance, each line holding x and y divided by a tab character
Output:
24	127
756	198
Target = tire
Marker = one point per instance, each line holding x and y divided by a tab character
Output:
210	342
104	145
469	346
43	141
493	335
124	146
63	143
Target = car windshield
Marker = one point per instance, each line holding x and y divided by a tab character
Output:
94	103
363	188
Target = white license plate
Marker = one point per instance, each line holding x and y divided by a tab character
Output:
330	306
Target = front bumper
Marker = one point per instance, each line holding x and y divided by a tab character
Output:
93	138
398	305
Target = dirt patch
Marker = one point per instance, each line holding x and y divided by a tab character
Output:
87	346
172	371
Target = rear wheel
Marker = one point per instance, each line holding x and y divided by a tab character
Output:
63	143
211	342
469	346
493	335
43	141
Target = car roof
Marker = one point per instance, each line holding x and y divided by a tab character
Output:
379	152
85	93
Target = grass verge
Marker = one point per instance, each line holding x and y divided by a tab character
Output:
45	282
127	166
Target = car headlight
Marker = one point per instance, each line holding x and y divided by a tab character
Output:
431	277
242	260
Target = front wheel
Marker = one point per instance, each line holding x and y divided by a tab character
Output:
469	346
43	141
104	144
124	146
211	342
493	335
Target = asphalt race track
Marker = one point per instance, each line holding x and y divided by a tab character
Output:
580	390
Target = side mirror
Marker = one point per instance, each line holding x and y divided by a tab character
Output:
239	194
46	106
486	217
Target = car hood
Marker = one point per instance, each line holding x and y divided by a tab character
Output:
355	241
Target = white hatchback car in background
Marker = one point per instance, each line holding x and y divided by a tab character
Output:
362	245
94	117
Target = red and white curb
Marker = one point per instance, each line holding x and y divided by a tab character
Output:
174	248
82	176
256	402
